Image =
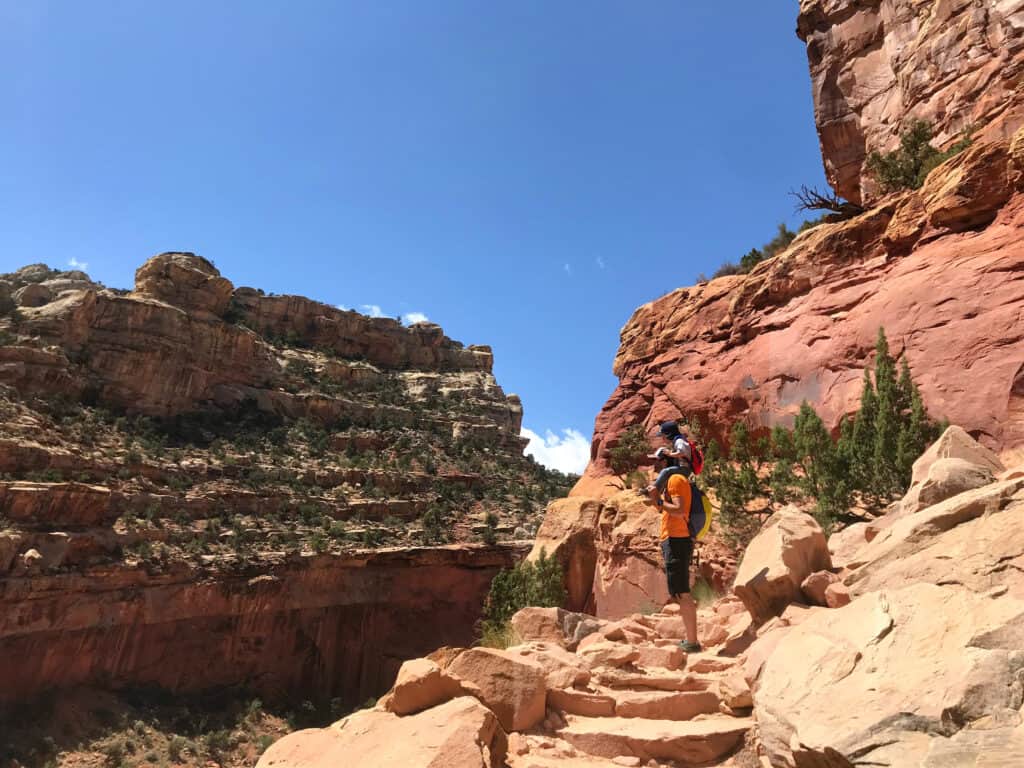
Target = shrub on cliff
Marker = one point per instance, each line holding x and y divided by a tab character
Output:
783	237
908	166
539	584
870	462
629	452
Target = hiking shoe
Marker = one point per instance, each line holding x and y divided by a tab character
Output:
690	647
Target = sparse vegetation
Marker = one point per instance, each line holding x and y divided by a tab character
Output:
867	466
783	237
630	451
140	727
538	584
908	166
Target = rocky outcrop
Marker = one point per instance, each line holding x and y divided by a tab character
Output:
920	641
184	340
877	65
461	733
802	325
789	548
627	696
205	487
921	672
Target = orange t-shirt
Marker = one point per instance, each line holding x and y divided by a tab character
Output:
677	525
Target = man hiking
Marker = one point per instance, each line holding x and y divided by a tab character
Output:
677	551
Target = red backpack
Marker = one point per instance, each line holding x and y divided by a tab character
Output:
696	457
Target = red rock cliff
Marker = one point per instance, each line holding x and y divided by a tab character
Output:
877	64
941	269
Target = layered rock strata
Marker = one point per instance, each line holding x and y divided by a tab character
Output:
203	486
323	626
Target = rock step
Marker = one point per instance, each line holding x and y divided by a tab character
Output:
665	705
656	679
689	741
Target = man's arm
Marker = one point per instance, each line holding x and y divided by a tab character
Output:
675	508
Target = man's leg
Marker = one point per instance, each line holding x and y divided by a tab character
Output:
687	605
688	610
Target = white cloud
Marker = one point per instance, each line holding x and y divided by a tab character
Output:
414	317
342	307
600	262
567	268
76	264
569	452
373	310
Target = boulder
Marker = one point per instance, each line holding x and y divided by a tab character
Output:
815	585
568	534
974	539
734	691
955	443
948	477
608	654
910	666
553	625
184	280
511	686
789	548
33	295
665	705
690	742
573	702
460	733
968	189
562	669
837	595
420	684
664	656
844	543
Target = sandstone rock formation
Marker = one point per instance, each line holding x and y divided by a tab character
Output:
622	700
875	66
789	548
802	325
206	487
611	554
925	658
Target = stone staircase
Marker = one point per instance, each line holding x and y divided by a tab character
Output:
575	691
645	703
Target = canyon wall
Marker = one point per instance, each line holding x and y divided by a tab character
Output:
940	268
316	627
203	486
876	65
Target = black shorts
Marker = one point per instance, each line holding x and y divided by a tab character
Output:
677	552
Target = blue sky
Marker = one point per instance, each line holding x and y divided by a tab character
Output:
523	173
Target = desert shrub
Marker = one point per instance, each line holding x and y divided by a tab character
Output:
870	462
630	451
728	268
490	533
539	584
909	165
